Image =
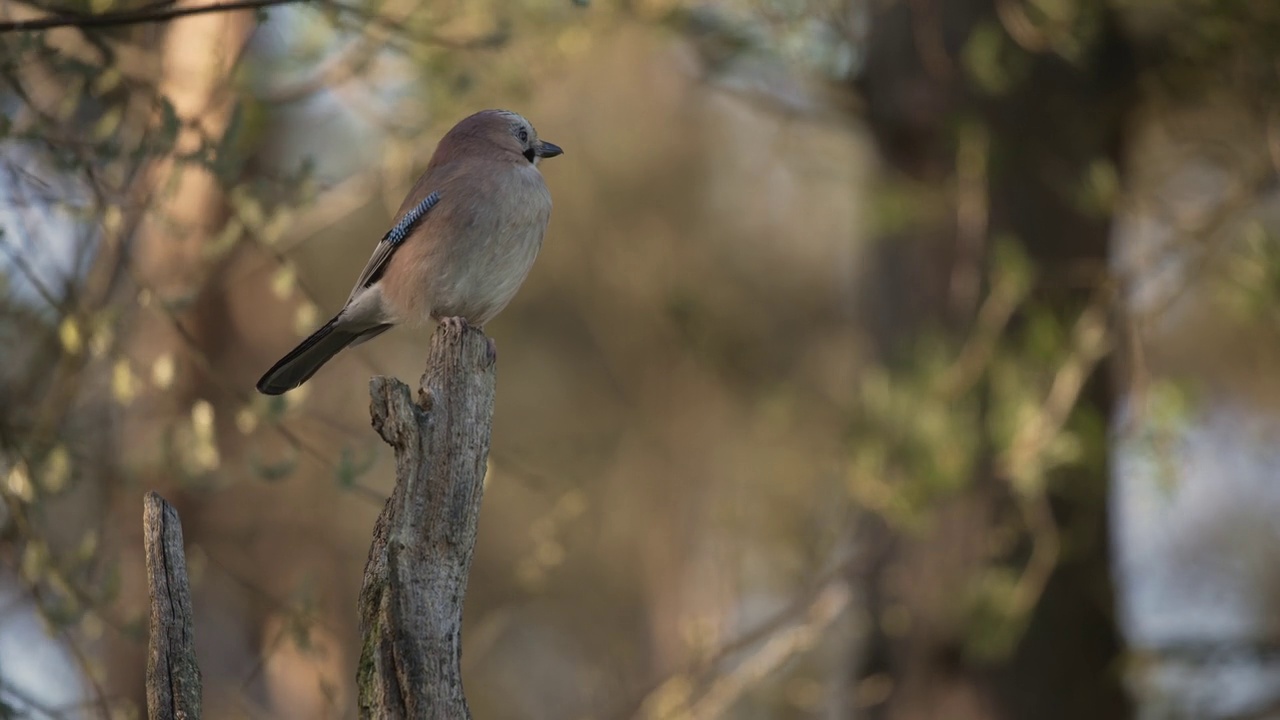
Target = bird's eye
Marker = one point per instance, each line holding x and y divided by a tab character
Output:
523	135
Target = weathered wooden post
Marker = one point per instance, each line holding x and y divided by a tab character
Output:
173	677
415	579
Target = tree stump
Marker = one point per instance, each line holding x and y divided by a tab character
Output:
173	677
415	579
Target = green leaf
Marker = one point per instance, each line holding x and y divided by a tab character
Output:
227	159
273	471
109	587
1010	265
992	61
109	123
350	468
170	124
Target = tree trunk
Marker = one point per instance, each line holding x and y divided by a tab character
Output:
1044	133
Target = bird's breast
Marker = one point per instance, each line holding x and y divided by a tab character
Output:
491	244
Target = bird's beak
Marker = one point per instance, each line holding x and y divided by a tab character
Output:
548	150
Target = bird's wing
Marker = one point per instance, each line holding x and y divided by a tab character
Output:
392	240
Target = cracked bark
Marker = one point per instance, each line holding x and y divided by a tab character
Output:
173	677
415	579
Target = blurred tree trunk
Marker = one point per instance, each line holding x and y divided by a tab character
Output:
1194	463
1041	136
174	333
170	260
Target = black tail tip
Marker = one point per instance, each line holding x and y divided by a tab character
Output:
266	387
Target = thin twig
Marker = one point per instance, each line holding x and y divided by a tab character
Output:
762	633
135	17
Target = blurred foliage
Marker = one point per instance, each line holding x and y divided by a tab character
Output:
84	123
726	403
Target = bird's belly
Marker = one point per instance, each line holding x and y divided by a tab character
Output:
478	284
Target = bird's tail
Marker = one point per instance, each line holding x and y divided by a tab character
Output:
303	361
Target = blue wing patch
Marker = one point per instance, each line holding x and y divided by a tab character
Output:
397	234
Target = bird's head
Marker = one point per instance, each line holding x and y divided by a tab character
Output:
506	130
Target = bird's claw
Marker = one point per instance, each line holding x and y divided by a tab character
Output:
460	323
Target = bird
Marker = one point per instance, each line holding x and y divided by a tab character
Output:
463	242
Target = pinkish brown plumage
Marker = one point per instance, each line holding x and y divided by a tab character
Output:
464	241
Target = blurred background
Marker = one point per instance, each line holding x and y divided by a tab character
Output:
899	359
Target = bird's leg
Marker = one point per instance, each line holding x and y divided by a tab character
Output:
491	348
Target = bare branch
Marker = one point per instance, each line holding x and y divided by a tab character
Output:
150	14
781	647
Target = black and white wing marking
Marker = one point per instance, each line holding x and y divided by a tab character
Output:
392	240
